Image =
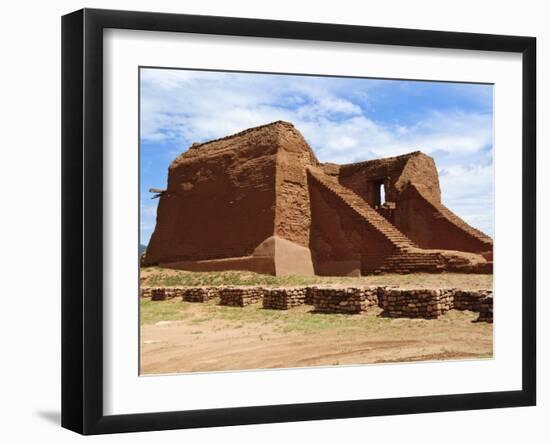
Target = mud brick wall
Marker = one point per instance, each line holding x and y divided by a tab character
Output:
336	228
284	298
476	301
431	225
240	296
344	300
417	303
271	172
199	294
221	184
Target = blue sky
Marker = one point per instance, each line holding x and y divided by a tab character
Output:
343	119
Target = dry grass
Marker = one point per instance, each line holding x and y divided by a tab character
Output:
156	276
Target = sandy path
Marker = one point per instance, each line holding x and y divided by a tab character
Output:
206	344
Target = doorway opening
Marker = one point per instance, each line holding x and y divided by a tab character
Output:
382	194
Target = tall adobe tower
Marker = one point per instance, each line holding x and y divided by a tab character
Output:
259	200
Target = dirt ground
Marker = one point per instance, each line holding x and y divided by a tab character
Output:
187	337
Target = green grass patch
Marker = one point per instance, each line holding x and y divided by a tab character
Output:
168	310
161	277
301	319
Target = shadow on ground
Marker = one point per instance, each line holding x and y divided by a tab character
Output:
54	417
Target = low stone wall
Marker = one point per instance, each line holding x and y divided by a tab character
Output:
395	302
240	296
417	303
309	295
477	301
200	294
158	294
469	300
284	298
344	300
486	309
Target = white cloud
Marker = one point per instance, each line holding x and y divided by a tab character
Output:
182	107
196	109
189	106
469	192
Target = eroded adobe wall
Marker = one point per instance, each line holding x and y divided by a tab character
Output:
394	173
261	265
220	200
432	226
339	237
420	169
227	196
292	214
411	183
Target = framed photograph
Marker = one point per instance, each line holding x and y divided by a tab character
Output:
268	221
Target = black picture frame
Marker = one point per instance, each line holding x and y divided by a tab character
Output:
82	218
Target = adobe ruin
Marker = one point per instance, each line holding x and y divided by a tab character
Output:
260	200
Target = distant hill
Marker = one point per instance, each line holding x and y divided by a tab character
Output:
142	249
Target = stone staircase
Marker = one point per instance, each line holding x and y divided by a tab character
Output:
364	211
407	256
413	261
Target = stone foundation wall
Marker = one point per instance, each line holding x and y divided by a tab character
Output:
395	302
158	294
309	295
240	296
284	298
344	300
469	300
486	309
477	301
417	303
199	294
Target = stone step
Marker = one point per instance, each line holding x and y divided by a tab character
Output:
365	211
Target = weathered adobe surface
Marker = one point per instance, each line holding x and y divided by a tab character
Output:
259	200
220	200
394	173
411	187
432	225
